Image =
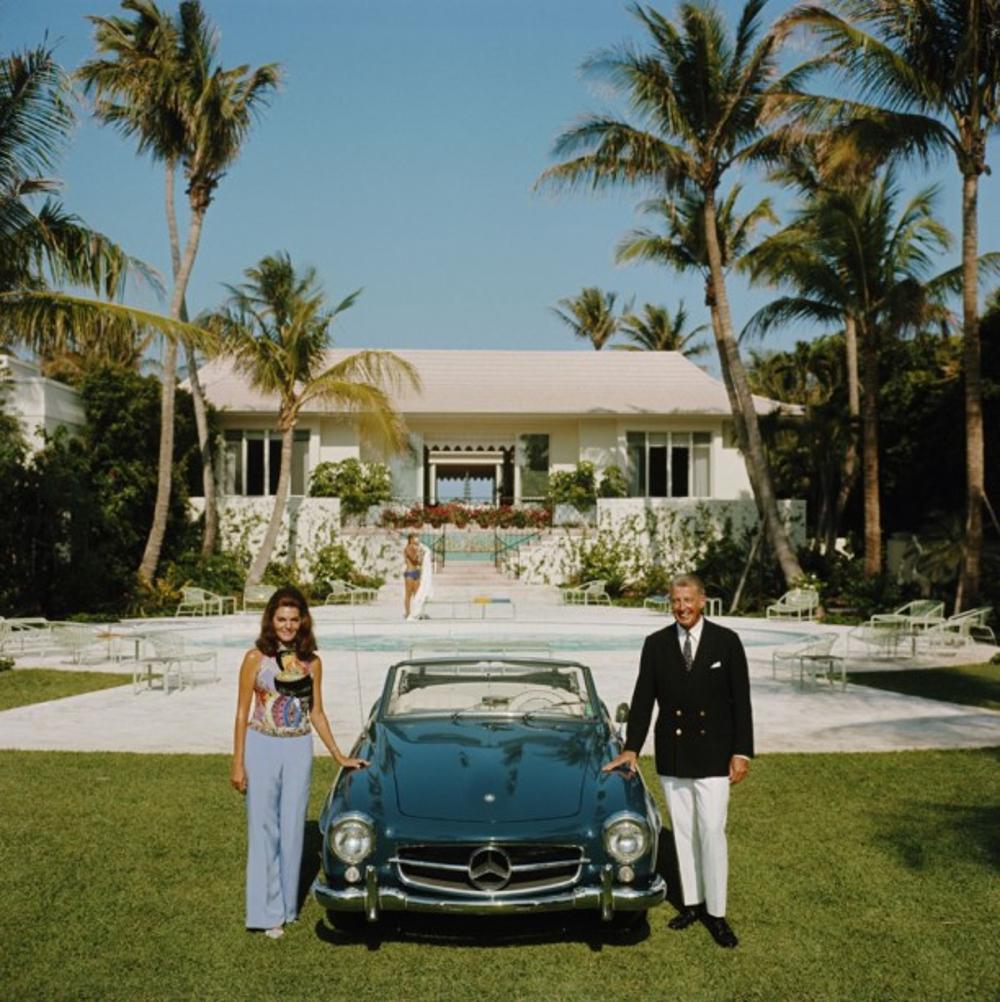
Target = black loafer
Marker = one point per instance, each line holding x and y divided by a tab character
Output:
721	933
688	916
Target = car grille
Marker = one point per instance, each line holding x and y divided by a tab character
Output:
489	869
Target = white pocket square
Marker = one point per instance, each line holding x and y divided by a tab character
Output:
717	664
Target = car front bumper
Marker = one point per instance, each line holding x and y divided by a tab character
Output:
606	898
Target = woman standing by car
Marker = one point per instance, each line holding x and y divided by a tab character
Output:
273	752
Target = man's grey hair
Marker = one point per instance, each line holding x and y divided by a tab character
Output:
687	581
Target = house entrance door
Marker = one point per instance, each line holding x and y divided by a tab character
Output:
472	476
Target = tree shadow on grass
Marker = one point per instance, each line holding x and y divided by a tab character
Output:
930	834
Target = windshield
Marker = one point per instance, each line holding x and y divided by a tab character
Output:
489	689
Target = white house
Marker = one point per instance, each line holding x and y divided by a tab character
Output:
494	424
42	405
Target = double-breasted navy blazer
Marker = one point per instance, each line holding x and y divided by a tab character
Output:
704	714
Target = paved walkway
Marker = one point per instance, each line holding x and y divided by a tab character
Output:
358	645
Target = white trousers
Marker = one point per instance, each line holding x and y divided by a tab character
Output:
698	809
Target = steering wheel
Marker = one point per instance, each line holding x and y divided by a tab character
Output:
540	701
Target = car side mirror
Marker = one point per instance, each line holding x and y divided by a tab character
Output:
621	714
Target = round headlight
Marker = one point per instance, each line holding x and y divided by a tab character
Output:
626	839
352	839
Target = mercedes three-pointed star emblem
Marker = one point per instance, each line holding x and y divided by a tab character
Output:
490	869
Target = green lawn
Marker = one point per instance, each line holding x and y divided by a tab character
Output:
970	685
22	686
853	877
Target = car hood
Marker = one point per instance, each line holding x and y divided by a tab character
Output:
489	771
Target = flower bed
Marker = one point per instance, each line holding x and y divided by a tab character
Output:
460	515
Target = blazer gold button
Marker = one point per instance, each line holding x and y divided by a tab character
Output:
702	732
680	713
678	731
701	713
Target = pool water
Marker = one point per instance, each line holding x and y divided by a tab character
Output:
344	639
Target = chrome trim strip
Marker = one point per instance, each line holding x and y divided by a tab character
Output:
392	899
461	868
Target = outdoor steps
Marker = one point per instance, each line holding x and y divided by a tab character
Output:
462	580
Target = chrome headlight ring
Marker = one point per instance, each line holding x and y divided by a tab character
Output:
351	837
626	837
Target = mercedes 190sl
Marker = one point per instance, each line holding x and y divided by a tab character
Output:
484	795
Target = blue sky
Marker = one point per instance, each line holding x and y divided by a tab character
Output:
400	156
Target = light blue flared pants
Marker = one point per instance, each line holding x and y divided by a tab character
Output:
278	775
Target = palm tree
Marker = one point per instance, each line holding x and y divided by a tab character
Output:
45	244
591	315
277	327
656	330
807	446
847	254
701	97
159	83
932	74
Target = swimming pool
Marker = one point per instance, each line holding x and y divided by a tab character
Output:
343	638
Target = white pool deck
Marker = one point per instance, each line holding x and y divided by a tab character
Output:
788	717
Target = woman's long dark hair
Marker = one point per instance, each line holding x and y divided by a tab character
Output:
305	643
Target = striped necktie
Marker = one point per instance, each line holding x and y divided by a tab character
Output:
688	659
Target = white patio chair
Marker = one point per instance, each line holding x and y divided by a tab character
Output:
798	603
958	632
589	592
174	658
920	614
75	639
201	602
812	656
886	636
344	592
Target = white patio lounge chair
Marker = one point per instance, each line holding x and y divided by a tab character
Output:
171	657
959	631
595	592
343	592
75	639
798	603
884	637
812	656
920	614
202	602
28	634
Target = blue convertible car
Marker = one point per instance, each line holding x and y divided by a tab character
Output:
485	796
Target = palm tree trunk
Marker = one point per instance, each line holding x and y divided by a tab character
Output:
849	469
197	393
741	400
968	580
164	470
263	557
869	455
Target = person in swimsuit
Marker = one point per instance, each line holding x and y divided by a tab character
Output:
282	677
413	556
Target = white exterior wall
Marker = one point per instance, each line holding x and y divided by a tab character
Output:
308	524
337	440
601	441
41	405
669	532
601	444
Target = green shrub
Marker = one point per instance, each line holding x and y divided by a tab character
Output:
223	573
576	487
358	485
613	483
6	664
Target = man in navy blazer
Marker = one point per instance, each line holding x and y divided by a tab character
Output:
696	673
